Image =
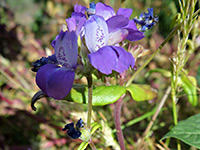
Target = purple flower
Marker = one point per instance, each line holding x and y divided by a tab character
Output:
76	22
104	30
102	38
56	79
108	13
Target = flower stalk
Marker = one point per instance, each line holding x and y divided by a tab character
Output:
90	87
89	114
92	145
117	114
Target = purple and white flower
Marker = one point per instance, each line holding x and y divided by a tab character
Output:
56	80
76	22
108	13
103	32
101	39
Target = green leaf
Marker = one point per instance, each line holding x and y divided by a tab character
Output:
164	72
175	20
95	126
83	146
189	84
187	131
141	92
198	75
102	95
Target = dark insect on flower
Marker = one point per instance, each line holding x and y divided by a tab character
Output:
72	132
146	20
43	61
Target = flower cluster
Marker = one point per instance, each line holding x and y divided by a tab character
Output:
101	31
146	20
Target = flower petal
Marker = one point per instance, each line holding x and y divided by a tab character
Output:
79	8
104	10
96	33
60	83
42	76
76	22
117	22
125	59
71	24
53	43
117	36
126	12
66	49
110	58
131	25
134	34
55	81
105	59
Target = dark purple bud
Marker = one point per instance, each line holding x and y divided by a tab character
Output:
146	20
91	10
79	124
72	132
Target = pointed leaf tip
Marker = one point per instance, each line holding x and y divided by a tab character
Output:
187	131
141	92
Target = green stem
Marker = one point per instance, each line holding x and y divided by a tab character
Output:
90	87
171	34
92	145
196	13
173	97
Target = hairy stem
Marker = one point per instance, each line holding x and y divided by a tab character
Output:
118	106
92	145
90	86
175	116
173	96
171	34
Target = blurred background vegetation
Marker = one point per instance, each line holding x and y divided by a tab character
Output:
26	31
